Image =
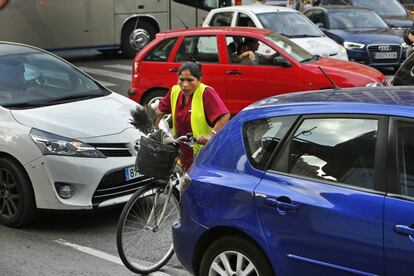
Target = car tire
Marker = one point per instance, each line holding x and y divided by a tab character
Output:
17	202
156	93
230	247
134	39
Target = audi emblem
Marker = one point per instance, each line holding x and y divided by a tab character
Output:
384	48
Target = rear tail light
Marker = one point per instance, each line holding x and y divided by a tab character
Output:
135	72
136	68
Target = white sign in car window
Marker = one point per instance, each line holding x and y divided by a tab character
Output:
207	44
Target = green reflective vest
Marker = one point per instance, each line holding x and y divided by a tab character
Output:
198	119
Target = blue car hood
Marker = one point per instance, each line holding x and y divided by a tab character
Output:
368	36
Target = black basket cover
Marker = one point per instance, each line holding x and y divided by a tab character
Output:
155	159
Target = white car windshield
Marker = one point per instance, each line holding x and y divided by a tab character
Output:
356	19
291	48
34	79
383	7
289	24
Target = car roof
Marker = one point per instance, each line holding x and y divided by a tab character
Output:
215	30
255	8
333	100
12	48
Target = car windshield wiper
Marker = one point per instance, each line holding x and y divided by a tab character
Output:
24	105
75	97
303	35
314	57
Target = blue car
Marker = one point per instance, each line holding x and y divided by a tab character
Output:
364	34
310	183
396	16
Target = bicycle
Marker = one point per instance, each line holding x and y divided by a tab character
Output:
147	218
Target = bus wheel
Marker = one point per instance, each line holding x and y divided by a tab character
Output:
133	40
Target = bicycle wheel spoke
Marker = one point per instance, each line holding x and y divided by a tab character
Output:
166	217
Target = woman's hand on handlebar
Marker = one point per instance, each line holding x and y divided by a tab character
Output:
203	139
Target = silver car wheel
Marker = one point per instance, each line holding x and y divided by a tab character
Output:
232	263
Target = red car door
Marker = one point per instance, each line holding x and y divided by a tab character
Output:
248	81
203	49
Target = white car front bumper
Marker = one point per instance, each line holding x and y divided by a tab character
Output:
97	182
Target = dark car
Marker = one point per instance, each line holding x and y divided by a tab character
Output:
393	13
311	183
364	34
408	4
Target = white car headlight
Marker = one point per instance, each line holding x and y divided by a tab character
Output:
405	45
52	144
343	51
374	84
353	45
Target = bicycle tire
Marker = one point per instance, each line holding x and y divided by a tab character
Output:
138	252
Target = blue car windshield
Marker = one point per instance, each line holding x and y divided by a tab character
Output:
289	24
34	79
356	19
383	7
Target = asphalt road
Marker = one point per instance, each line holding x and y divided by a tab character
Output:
76	243
68	244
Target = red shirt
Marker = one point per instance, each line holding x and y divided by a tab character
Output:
214	108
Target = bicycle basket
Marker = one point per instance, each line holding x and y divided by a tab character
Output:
155	159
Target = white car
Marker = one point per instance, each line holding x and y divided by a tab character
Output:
282	20
66	142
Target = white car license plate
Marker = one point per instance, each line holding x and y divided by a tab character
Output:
388	55
131	173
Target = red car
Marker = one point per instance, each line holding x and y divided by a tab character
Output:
280	66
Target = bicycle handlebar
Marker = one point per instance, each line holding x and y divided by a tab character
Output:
188	139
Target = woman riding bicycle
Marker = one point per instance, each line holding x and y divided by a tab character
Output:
195	107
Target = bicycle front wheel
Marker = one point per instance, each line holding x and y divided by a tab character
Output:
144	237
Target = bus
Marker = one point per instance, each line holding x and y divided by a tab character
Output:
104	25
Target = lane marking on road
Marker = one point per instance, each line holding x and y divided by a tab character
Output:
120	66
107	84
100	254
107	73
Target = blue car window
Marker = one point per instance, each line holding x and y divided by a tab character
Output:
405	134
262	137
335	149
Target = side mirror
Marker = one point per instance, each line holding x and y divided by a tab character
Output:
320	25
281	61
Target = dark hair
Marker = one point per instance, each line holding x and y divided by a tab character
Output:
241	45
193	67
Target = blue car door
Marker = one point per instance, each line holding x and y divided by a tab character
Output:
320	203
399	204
